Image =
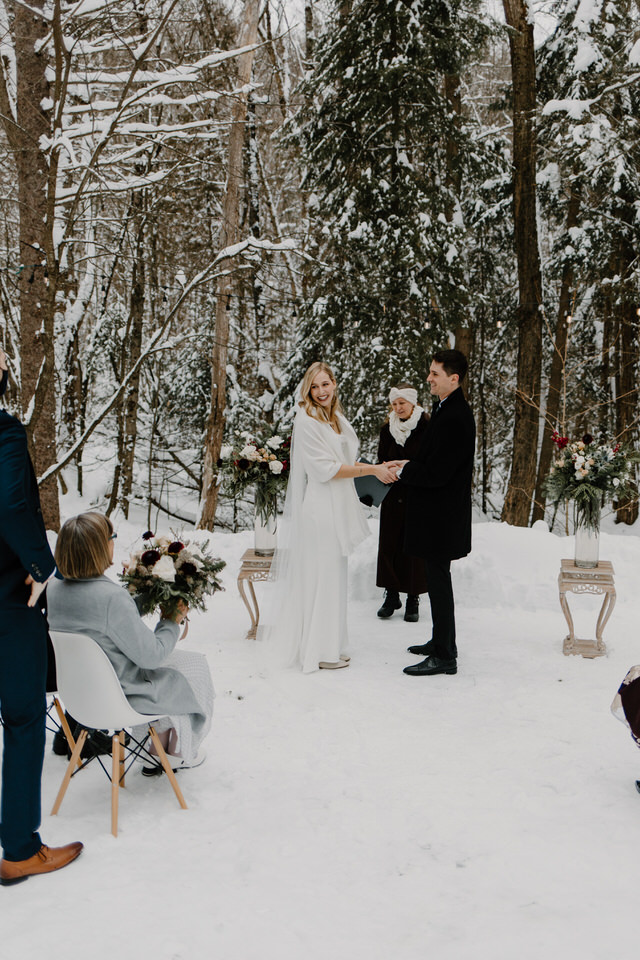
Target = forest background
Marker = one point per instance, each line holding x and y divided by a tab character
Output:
200	198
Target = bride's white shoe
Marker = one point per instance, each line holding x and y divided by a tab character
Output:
330	665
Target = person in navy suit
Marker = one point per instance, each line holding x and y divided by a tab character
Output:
438	484
26	563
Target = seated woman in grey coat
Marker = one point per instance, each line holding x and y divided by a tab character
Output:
154	676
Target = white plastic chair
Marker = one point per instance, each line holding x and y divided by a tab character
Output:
91	692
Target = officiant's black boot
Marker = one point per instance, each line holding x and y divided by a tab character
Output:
411	614
391	602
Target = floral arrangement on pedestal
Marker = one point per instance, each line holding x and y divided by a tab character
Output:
589	473
262	464
167	570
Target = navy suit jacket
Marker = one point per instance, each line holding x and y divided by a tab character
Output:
23	542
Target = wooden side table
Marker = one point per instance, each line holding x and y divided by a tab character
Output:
598	580
253	568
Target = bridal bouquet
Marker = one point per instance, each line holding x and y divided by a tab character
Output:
259	463
167	570
588	473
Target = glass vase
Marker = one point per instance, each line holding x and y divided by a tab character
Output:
265	524
264	535
587	539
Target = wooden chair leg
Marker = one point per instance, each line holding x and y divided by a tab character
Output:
167	767
121	740
64	723
67	776
115	782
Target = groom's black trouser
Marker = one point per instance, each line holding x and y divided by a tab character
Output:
438	574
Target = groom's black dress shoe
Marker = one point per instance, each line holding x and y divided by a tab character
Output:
422	649
431	666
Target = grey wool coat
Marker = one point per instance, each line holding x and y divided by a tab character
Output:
107	613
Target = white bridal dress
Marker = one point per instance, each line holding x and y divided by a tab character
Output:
323	522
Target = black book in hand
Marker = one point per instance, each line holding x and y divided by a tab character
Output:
370	490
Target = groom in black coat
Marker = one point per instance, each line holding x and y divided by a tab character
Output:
438	483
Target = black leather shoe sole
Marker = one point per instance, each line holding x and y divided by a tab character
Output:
155	771
412	617
422	649
431	667
385	612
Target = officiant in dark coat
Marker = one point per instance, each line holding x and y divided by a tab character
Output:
397	572
26	563
438	488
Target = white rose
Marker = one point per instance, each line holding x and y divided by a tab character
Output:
274	442
616	482
225	451
162	542
165	569
276	466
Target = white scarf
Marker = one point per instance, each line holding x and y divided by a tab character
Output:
400	429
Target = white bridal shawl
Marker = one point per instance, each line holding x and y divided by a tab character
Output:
317	453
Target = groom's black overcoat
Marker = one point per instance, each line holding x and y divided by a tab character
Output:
438	482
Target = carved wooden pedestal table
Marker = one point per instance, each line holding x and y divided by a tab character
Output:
254	567
598	580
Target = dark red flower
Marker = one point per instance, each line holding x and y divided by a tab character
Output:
587	438
242	464
559	441
149	557
175	547
188	569
616	448
148	535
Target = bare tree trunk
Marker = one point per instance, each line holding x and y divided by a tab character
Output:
463	330
133	349
228	236
522	479
309	32
606	368
627	395
36	282
557	373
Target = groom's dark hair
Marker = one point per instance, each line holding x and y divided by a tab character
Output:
453	361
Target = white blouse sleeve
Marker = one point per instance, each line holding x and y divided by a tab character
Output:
318	455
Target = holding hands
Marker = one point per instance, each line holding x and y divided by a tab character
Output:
395	466
384	472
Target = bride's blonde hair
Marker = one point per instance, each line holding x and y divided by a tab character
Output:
312	408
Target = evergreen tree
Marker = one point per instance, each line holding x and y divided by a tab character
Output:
386	150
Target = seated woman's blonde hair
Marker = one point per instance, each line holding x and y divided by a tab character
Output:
82	550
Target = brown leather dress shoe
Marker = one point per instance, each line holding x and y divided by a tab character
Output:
45	860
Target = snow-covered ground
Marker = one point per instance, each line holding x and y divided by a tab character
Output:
366	815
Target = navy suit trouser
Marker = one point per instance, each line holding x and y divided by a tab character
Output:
438	573
23	670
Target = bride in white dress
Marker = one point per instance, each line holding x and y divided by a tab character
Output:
323	522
